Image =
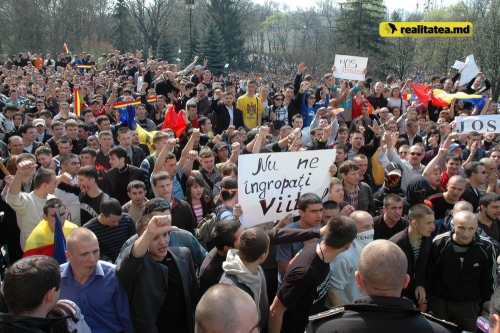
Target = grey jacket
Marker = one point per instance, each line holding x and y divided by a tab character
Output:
263	300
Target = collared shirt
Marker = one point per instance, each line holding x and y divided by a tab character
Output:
102	298
411	139
353	196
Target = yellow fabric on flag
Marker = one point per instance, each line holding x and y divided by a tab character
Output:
146	137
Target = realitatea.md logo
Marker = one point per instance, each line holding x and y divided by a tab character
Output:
425	29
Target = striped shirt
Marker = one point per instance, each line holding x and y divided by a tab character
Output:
111	239
198	211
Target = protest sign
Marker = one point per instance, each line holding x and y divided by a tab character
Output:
270	185
349	67
481	124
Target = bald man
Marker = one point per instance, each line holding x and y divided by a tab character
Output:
444	225
93	285
461	272
381	306
343	288
212	313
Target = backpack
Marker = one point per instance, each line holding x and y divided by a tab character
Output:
206	227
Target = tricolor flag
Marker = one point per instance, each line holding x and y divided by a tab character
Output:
120	105
77	101
84	66
65	48
43	242
335	112
442	98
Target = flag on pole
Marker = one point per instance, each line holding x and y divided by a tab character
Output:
119	105
42	240
65	48
77	101
59	240
84	66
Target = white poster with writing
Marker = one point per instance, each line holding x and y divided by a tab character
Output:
350	67
270	184
481	124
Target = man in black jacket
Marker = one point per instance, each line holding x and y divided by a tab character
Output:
461	272
158	279
381	304
411	134
28	303
135	155
475	173
226	113
415	241
120	175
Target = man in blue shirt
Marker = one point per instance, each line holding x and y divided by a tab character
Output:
93	285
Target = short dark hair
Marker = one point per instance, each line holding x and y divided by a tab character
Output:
89	171
89	150
418	211
111	206
223	233
488	198
348	166
51	203
391	197
253	243
342	147
100	119
27	282
43	176
43	150
160	176
471	168
23	129
308	199
202	121
340	231
119	152
454	157
136	184
66	157
330	205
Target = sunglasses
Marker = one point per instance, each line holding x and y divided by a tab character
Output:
415	154
160	205
312	97
278	99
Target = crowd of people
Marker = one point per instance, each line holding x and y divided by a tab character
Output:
113	224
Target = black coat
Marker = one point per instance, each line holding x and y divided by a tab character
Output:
137	157
418	138
146	282
223	118
376	314
417	271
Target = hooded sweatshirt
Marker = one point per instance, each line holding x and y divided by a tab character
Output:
417	191
237	274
